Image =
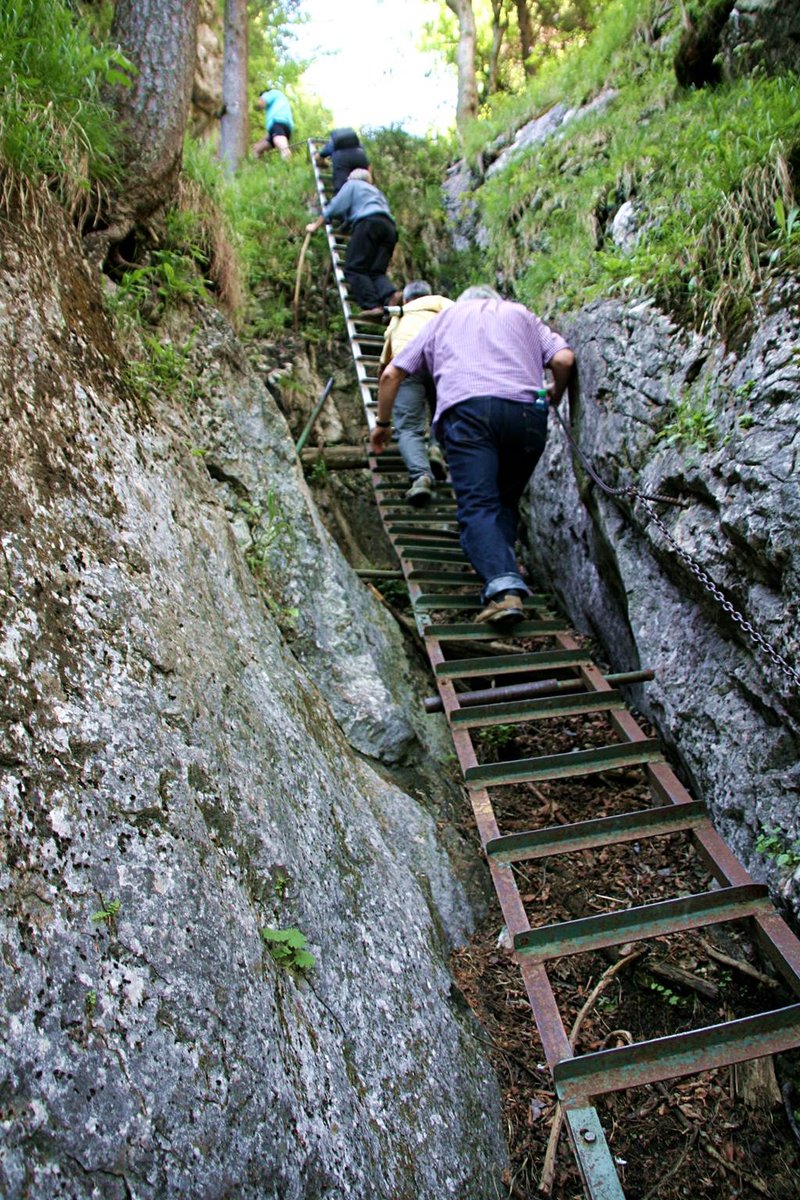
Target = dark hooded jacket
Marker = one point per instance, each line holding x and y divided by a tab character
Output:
346	153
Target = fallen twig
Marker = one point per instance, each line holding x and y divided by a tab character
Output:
752	1181
738	964
549	1167
656	1190
684	978
787	1095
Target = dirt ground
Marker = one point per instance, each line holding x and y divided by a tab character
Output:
716	1136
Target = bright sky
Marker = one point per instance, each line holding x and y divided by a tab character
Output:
367	70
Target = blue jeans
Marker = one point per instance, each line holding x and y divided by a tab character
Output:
492	446
411	420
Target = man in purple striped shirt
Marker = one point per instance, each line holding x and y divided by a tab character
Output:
486	357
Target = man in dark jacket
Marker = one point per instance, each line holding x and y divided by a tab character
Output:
345	152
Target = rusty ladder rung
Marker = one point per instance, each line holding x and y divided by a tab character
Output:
645	921
566	766
597	832
504	664
535	709
685	1053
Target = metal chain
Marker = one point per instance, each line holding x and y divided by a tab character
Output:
610	491
691	563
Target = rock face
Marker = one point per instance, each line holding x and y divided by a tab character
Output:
761	33
729	712
176	777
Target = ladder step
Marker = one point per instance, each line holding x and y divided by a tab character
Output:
417	553
455	601
441	516
426	538
565	766
601	831
466	632
444	489
448	577
646	921
679	1054
434	510
501	664
433	539
535	710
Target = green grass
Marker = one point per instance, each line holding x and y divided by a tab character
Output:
54	126
711	172
618	48
262	211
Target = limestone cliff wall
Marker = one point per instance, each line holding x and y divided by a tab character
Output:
727	710
176	776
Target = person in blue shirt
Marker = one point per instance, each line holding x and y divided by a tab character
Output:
278	122
364	211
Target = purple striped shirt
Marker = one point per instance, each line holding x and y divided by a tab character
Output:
482	348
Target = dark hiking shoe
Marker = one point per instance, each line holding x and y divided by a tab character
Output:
438	465
502	612
420	492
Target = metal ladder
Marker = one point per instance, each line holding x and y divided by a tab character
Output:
561	680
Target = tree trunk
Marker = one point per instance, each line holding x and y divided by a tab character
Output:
525	34
233	127
467	86
499	27
160	39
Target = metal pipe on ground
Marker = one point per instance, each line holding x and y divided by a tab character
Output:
301	441
526	691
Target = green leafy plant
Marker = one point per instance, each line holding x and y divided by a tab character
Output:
494	738
667	995
280	881
772	843
317	474
270	529
90	1003
145	293
788	222
108	913
164	368
287	947
692	424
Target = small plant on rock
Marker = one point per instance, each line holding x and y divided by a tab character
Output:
772	843
692	424
287	947
107	915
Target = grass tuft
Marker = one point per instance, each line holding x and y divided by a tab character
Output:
54	126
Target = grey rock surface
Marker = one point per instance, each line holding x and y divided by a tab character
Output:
543	127
626	226
730	714
175	777
761	34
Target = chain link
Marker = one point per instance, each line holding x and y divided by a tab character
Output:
700	574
